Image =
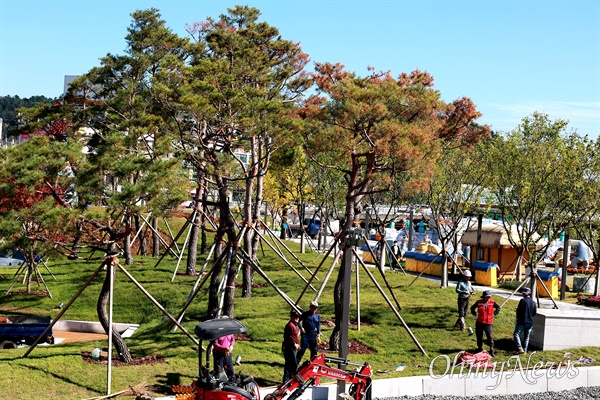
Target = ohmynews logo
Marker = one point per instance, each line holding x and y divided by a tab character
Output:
530	372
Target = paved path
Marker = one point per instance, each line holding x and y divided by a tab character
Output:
544	302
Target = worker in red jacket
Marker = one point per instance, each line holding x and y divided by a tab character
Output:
485	309
290	346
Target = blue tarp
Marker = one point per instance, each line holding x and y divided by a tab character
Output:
366	248
484	266
427	257
546	275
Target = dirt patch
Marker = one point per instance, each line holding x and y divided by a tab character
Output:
70	337
354	347
147	360
254	285
242	337
329	323
41	293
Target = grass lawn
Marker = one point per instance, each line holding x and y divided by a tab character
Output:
60	371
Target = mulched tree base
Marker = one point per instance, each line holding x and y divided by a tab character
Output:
147	360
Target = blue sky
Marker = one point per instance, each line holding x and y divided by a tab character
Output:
510	57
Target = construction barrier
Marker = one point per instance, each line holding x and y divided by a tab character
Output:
485	273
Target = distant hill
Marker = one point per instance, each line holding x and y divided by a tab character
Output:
9	105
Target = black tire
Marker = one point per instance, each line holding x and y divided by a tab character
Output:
238	391
8	344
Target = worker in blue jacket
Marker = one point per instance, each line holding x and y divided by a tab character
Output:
310	331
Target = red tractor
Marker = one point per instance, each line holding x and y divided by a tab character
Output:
211	384
311	372
214	385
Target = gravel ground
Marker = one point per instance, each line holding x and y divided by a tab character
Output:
583	393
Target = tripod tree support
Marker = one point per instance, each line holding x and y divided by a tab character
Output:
380	268
283	258
65	308
314	275
425	269
406	327
533	276
107	262
283	244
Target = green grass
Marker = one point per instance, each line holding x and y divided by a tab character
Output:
60	372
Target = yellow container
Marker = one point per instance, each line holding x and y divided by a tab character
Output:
367	257
435	269
487	278
411	264
551	284
485	273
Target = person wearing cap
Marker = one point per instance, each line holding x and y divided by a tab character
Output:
310	331
290	346
464	290
526	310
485	309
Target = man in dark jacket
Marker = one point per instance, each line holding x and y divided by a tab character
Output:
485	309
525	312
290	346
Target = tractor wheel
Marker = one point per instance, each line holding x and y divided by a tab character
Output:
239	391
8	344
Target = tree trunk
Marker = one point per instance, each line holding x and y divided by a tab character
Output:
77	241
119	343
127	245
353	200
192	257
215	277
226	229
248	235
28	255
155	239
444	280
204	241
256	218
249	215
334	339
143	250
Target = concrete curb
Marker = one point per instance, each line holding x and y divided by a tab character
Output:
126	330
514	379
